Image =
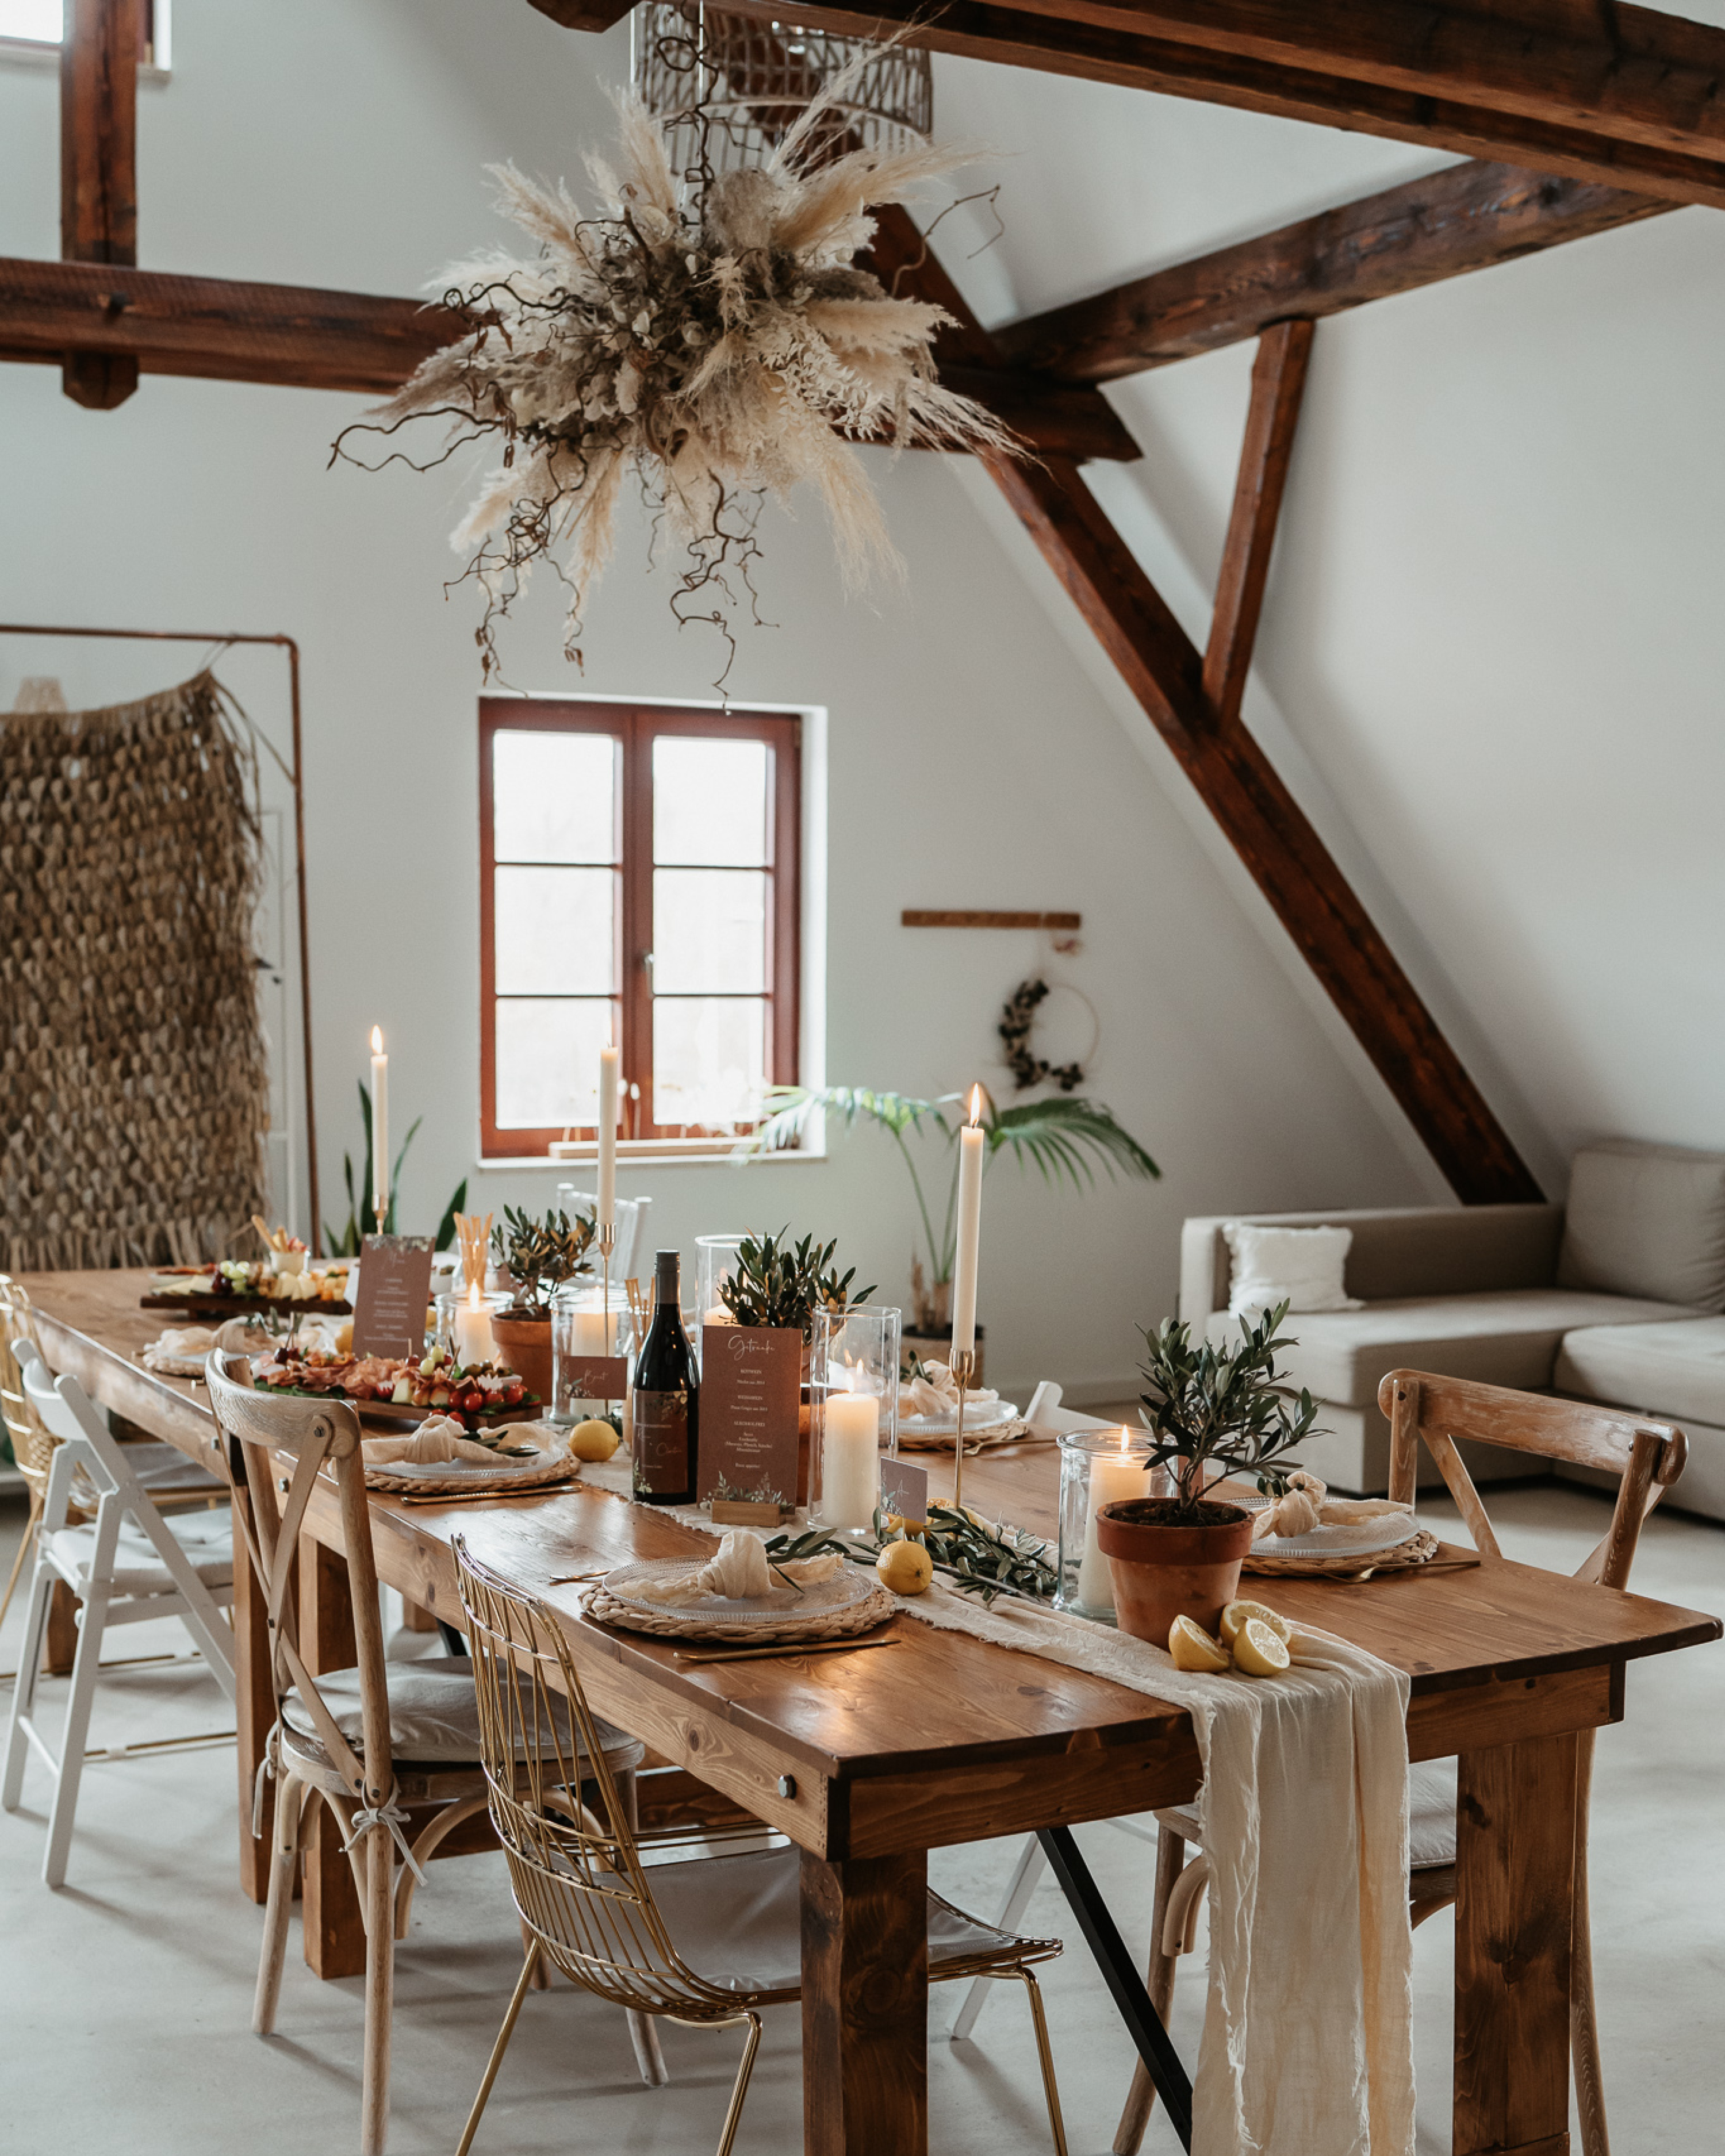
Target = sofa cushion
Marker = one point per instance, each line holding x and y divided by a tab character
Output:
1646	1220
1510	1339
1673	1370
1299	1266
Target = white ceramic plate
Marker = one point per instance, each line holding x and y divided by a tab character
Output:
853	1584
988	1415
1362	1539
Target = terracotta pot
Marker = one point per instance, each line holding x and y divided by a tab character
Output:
524	1344
1165	1568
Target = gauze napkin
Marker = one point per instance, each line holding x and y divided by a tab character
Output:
739	1573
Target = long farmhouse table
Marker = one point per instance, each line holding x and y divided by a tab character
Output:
867	1762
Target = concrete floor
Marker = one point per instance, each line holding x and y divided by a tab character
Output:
125	1998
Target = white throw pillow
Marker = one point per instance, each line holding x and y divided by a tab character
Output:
1300	1266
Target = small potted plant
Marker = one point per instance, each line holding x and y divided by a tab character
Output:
539	1256
1208	1410
779	1283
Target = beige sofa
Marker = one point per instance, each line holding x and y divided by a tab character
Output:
1616	1298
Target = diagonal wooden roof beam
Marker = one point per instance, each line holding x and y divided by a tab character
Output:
1623	96
1465	218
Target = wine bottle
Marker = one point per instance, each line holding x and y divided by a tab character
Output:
667	1398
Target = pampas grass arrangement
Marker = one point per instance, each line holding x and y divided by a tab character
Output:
710	336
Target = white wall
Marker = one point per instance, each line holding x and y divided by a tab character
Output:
976	756
1491	654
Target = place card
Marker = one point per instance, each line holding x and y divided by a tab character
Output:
395	1291
592	1377
751	1388
904	1489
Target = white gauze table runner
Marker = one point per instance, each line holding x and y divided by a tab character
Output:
1307	2047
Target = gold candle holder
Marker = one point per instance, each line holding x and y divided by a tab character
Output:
963	1370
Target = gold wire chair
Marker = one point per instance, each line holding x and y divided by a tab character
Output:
611	1925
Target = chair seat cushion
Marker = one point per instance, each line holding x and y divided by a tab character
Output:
1431	1816
1508	1338
434	1715
164	1468
1671	1369
206	1538
737	1921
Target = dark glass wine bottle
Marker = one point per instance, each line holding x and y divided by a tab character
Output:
667	1398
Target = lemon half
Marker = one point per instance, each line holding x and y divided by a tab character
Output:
1259	1651
1238	1613
1193	1648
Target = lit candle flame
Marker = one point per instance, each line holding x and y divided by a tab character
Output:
472	1296
1126	1440
976	1106
376	1041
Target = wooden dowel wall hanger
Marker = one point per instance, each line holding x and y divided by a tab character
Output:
913	918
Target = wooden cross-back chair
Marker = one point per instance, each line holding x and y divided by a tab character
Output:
1648	1457
365	1742
710	1942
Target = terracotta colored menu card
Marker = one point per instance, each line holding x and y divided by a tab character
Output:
394	1289
750	1387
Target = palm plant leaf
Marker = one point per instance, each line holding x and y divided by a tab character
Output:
791	1107
1065	1135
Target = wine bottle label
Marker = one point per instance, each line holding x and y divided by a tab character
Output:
662	1454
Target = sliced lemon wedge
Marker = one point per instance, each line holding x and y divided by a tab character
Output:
1239	1612
1259	1651
1193	1648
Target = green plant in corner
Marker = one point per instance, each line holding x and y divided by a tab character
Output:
1065	1137
362	1215
1213	1410
541	1255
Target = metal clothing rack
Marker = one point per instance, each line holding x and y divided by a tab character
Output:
293	776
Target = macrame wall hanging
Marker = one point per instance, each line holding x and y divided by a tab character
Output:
134	1089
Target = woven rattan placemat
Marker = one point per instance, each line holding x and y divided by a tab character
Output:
875	1608
1421	1550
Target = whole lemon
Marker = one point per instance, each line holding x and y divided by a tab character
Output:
906	1567
592	1440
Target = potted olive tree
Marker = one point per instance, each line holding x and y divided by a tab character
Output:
1210	1410
780	1284
539	1256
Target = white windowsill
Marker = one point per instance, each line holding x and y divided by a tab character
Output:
25	53
643	1153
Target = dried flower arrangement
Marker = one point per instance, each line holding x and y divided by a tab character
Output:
710	333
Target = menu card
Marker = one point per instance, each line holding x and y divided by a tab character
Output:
904	1490
394	1290
750	1387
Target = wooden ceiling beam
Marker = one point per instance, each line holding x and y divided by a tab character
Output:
98	182
1640	112
1465	218
1278	384
220	328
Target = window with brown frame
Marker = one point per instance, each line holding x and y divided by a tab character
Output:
639	883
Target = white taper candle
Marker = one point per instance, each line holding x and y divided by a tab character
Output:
380	1128
971	1140
607	1138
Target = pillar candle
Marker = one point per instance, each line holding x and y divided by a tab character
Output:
850	1460
971	1146
589	1332
380	1128
1113	1475
607	1138
473	1329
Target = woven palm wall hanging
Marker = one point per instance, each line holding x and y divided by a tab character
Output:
134	1084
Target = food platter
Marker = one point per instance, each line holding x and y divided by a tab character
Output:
527	1408
247	1305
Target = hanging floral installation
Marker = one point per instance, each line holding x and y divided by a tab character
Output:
709	334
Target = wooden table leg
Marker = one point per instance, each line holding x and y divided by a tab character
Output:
1515	1878
253	1712
865	2005
334	1928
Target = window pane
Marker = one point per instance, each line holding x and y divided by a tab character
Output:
553	931
553	797
709	1059
548	1062
32	18
709	800
709	930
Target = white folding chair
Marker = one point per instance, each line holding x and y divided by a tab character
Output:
128	1565
630	1213
1044	1412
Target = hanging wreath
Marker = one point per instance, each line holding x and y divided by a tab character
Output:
1028	1069
710	334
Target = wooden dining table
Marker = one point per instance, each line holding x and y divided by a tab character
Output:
868	1761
